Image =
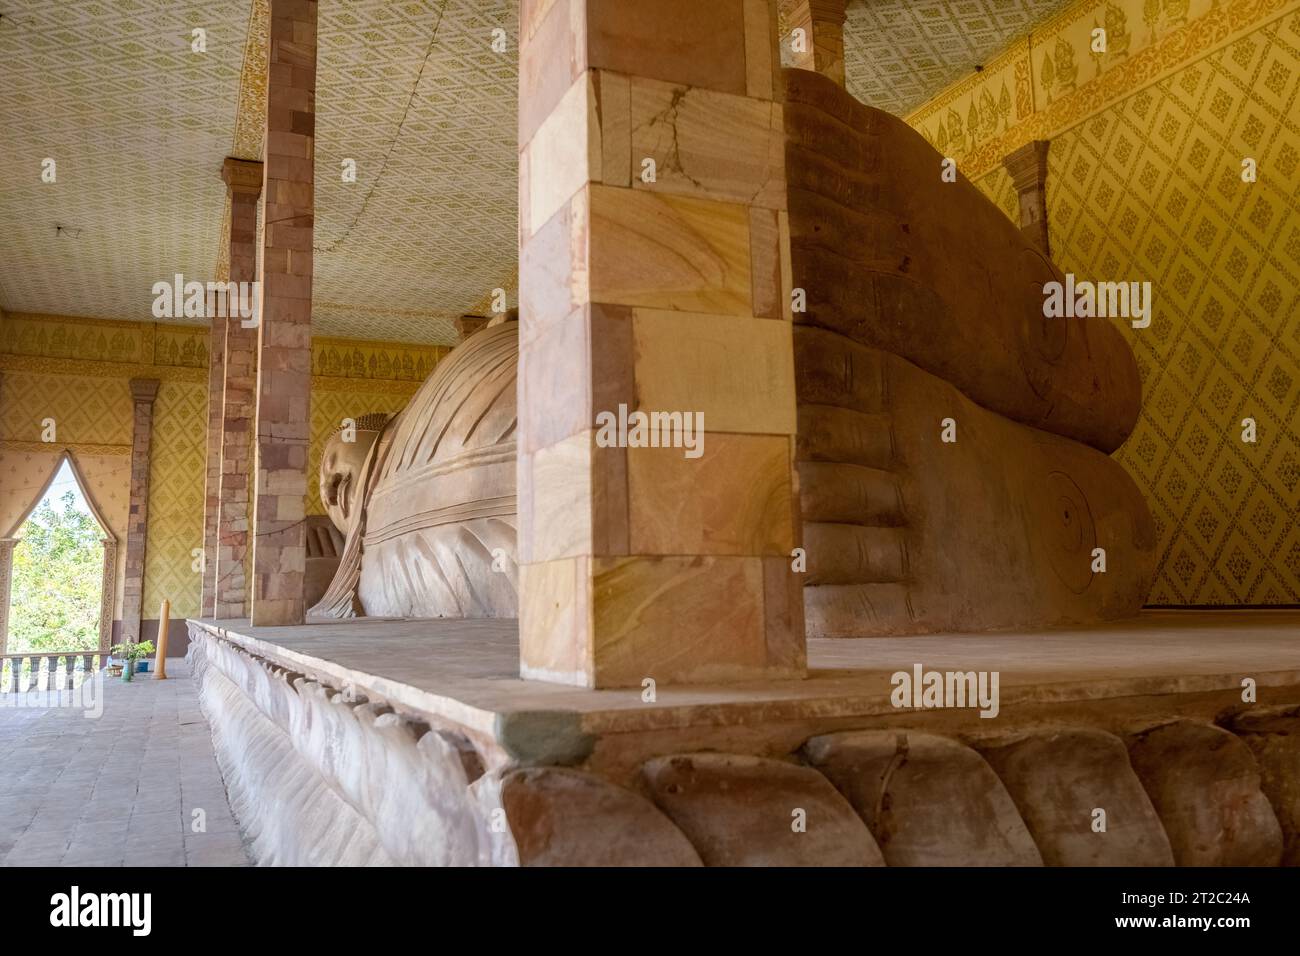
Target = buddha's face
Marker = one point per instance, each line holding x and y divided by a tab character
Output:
340	474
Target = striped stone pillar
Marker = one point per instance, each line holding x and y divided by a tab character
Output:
212	461
238	402
284	334
654	278
143	393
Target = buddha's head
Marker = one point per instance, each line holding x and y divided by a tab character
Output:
341	463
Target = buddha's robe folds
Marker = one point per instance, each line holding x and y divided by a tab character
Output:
434	535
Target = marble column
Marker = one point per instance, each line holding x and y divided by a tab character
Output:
654	278
284	335
143	393
1028	168
238	402
6	582
823	38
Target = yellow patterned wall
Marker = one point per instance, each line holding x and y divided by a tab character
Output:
75	370
1145	183
176	476
83	415
998	186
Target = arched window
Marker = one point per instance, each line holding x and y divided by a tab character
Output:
57	571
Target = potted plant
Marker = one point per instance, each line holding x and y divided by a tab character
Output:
132	652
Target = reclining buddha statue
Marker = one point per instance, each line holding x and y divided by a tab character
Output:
953	443
427	499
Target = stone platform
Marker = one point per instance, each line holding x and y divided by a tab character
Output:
407	741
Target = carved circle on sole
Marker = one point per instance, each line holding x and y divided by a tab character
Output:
1068	532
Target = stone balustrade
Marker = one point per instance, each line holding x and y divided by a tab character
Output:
47	670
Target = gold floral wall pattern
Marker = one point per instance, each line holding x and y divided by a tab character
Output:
1145	183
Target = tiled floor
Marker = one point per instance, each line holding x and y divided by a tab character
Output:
136	786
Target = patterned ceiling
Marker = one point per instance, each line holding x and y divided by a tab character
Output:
137	125
428	229
412	91
900	53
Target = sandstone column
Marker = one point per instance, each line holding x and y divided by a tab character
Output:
823	24
654	278
237	400
284	333
212	475
6	582
1028	169
143	393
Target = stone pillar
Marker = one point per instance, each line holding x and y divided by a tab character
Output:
1028	169
107	594
284	333
238	401
823	24
6	582
654	277
212	475
143	393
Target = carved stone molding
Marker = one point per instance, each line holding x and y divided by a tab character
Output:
467	325
242	175
1028	165
144	390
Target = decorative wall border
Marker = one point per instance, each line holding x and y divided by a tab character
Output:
81	448
384	386
1212	30
39	364
152	333
146	337
1018	50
